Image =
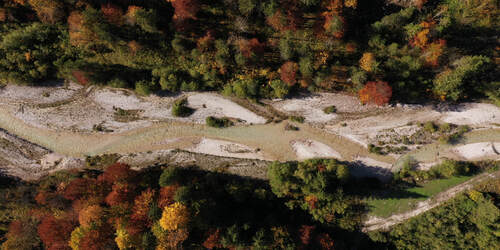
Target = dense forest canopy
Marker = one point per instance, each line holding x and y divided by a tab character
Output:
417	51
315	204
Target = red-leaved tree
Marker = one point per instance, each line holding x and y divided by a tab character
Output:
112	13
78	188
378	93
98	238
167	194
55	233
120	194
289	72
305	234
117	172
139	220
249	48
213	240
185	9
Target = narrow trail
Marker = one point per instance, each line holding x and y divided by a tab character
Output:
377	223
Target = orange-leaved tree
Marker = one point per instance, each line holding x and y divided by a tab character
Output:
378	92
288	72
48	11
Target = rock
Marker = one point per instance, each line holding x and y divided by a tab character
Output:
50	160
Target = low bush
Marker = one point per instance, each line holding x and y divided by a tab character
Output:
180	108
299	119
375	149
430	127
444	170
218	122
330	110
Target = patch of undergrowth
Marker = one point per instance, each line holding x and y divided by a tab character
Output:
330	110
218	122
410	185
180	108
469	221
101	161
398	142
125	115
299	119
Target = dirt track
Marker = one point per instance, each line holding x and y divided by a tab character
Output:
376	223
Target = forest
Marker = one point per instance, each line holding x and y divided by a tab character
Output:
417	51
166	207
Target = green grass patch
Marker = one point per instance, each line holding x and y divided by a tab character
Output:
385	207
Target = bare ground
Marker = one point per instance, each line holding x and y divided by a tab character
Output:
63	117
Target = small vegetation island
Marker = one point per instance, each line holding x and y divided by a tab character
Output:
249	124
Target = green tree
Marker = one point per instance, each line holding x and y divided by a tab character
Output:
27	54
470	75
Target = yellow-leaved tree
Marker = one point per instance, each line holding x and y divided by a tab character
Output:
367	62
174	216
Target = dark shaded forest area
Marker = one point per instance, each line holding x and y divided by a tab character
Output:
315	204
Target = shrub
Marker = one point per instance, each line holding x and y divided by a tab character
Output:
359	77
180	108
218	122
246	88
445	127
430	127
375	149
330	110
143	87
280	89
118	83
299	119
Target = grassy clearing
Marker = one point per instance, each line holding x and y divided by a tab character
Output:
388	206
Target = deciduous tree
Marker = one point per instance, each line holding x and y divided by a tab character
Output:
185	9
376	93
112	13
288	72
48	11
91	215
174	216
55	233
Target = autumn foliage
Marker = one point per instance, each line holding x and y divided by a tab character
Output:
289	72
378	93
48	11
90	215
117	172
213	240
167	194
112	13
185	9
367	62
55	233
251	47
174	217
